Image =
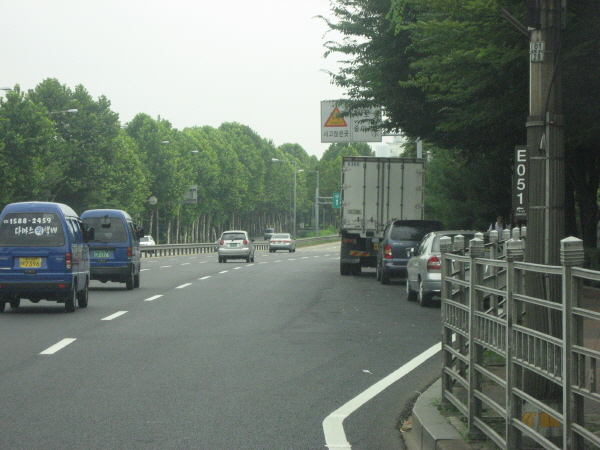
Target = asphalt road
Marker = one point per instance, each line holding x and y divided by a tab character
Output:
214	356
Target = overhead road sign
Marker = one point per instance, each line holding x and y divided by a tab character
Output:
338	127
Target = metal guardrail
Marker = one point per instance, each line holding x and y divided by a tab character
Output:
488	346
192	249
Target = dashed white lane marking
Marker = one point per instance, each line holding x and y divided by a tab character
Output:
224	271
183	285
305	257
236	268
56	347
143	270
114	316
263	262
204	278
184	264
162	267
333	426
154	297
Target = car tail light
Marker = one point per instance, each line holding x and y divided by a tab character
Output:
433	263
129	252
349	241
221	242
245	242
387	251
68	260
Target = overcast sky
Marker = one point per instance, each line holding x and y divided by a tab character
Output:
191	62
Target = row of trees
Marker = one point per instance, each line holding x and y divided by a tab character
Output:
90	160
456	74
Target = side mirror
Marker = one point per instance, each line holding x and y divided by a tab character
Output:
88	234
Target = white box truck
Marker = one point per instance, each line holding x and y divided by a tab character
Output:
374	192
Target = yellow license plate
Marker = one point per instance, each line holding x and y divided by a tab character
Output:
30	262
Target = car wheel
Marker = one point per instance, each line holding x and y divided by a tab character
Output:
130	281
136	280
411	295
424	296
15	303
71	299
248	259
378	272
2	306
82	297
385	278
252	259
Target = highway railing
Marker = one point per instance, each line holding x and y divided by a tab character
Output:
195	248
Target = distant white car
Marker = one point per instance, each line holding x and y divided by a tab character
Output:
147	240
282	241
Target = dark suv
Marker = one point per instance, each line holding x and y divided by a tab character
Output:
398	238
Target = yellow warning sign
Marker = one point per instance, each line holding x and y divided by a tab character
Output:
335	119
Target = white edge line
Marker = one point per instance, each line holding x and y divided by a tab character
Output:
114	316
56	347
154	297
333	427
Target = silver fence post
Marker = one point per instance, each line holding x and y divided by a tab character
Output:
445	247
514	252
571	255
475	407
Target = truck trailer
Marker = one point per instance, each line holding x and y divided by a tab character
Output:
375	191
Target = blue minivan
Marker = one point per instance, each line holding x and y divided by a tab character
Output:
115	248
43	255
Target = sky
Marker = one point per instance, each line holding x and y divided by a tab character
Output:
192	62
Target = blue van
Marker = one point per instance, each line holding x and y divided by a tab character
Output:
115	249
43	255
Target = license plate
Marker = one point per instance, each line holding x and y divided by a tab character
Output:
233	245
101	254
30	262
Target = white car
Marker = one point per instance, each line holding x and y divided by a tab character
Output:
282	241
147	240
235	244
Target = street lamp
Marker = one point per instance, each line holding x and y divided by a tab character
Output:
295	172
70	111
316	201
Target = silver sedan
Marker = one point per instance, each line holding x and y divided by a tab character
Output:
282	241
424	268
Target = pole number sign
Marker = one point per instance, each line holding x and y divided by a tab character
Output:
536	50
521	177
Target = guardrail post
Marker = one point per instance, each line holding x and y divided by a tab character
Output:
514	252
446	247
571	255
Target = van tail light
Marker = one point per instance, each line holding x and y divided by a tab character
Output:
387	251
245	242
68	260
433	263
129	252
221	242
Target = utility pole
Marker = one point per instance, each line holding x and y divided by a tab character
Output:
545	135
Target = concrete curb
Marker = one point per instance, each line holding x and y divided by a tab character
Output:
430	429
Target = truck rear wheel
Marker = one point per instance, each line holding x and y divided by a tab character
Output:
345	269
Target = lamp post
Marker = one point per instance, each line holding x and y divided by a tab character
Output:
70	111
295	173
316	201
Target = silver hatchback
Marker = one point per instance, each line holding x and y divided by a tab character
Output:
424	268
235	244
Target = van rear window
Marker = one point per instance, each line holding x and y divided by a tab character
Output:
107	229
30	229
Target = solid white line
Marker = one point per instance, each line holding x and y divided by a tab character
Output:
154	297
57	347
204	278
183	286
333	426
114	316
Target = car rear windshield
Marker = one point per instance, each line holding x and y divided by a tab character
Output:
233	236
280	236
30	229
435	247
107	229
413	232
